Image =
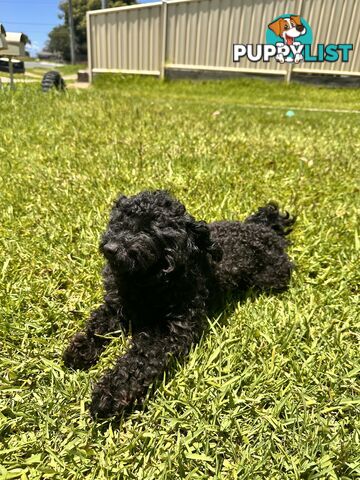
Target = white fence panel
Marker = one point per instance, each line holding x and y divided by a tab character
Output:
125	39
199	35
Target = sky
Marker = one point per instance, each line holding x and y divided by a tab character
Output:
35	18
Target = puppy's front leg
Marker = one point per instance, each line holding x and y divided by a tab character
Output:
280	56
146	360
85	347
298	56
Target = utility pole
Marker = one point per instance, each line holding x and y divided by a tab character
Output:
103	3
72	33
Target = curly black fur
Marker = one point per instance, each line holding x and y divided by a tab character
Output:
165	271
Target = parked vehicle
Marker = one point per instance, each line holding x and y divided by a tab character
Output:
18	65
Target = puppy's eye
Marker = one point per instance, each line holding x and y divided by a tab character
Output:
286	27
292	24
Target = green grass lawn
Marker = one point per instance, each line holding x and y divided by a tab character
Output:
272	390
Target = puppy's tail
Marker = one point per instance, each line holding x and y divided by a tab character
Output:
271	216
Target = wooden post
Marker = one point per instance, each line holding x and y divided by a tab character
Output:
288	72
11	72
72	33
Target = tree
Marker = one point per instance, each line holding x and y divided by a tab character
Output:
59	41
59	36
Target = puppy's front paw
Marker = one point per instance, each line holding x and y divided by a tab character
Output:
81	352
111	396
102	405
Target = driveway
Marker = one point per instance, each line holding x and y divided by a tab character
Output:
42	65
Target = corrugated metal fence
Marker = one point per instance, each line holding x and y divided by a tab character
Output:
199	35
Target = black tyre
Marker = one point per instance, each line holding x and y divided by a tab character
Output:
51	80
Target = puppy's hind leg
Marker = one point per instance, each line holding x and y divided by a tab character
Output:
275	271
272	267
85	347
270	216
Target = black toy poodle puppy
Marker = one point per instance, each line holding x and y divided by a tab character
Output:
164	272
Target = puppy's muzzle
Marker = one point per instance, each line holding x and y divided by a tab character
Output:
130	259
110	248
115	253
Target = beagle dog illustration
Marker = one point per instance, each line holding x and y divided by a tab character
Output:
288	29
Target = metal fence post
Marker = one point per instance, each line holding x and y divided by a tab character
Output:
89	49
163	39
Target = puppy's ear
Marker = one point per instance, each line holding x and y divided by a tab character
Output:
296	19
215	251
276	27
201	237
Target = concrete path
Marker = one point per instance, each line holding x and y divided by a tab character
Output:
18	80
45	65
78	85
73	76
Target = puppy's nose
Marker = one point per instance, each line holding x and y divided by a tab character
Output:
110	248
300	28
